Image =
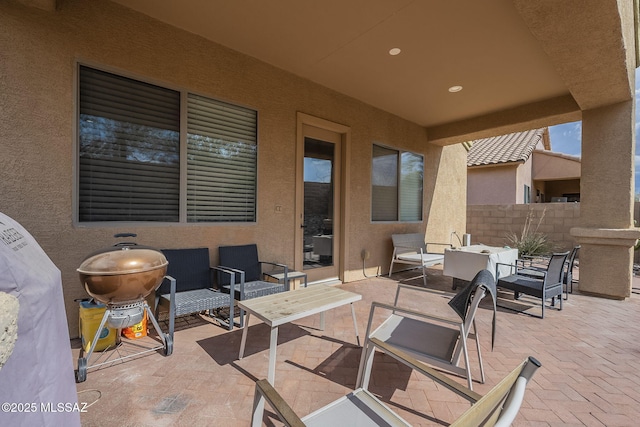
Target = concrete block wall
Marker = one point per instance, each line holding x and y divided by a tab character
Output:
490	224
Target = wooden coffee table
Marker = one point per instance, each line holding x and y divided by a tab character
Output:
285	307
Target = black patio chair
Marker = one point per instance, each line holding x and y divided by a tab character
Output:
249	283
549	286
568	277
193	293
536	266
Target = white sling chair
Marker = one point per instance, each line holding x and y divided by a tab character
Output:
498	407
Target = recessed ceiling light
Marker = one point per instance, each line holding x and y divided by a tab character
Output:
395	51
454	89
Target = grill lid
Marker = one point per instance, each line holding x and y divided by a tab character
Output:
124	273
123	260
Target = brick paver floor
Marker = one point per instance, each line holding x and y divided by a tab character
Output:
589	351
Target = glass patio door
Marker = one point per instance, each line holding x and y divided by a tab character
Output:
321	204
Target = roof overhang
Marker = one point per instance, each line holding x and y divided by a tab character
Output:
522	64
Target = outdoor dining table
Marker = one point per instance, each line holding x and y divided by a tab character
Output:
285	307
464	263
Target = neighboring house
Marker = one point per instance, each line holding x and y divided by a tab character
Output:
520	168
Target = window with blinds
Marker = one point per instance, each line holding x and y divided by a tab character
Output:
396	185
411	178
221	161
384	184
129	154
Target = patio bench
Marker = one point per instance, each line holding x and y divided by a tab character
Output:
188	286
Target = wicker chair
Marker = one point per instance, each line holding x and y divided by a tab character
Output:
248	279
548	286
193	293
568	275
537	266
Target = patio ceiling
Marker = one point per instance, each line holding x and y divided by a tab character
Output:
521	64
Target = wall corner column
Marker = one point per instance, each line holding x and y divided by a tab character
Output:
607	233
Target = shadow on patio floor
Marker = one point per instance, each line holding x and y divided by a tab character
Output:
589	352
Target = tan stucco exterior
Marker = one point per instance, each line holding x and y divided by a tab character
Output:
523	177
499	184
492	185
549	166
42	41
555	175
40	52
607	234
550	174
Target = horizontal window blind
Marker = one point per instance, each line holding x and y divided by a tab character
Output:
129	154
411	178
384	191
396	185
129	168
221	161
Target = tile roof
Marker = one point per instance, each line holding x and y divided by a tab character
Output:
514	147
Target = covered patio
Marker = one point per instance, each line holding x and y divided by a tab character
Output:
353	82
404	78
590	373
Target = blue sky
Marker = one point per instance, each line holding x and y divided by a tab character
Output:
565	138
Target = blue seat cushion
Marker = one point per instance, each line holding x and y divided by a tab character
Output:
190	268
244	258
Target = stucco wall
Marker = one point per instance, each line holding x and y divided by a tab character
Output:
558	188
445	210
548	166
492	185
39	53
523	177
489	224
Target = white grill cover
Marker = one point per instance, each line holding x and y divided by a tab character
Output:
39	372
